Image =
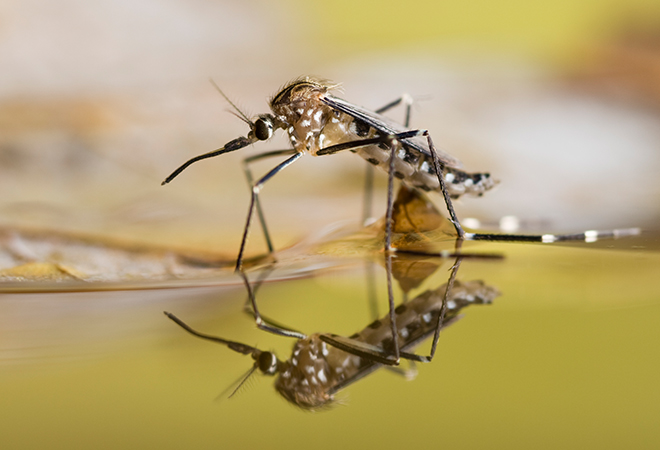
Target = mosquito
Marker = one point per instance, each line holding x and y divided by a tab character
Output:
323	364
320	124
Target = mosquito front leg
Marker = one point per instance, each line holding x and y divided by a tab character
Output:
256	189
261	323
248	176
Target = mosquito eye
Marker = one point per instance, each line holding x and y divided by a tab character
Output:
263	129
267	363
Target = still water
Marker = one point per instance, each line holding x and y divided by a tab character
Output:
567	355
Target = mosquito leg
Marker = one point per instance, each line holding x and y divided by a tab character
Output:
261	324
384	139
406	99
388	249
439	168
443	311
390	296
397	137
256	188
587	236
248	175
367	213
247	307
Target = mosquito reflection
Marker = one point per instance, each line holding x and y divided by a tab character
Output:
322	364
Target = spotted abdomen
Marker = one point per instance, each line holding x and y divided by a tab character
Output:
417	170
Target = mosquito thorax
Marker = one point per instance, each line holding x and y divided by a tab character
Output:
301	111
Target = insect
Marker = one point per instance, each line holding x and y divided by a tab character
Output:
320	124
319	366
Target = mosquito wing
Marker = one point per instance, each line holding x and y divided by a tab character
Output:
386	126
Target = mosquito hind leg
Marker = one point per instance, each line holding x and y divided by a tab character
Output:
439	169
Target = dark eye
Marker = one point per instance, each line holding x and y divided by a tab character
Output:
267	363
263	129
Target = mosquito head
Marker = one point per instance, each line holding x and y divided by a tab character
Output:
266	362
262	128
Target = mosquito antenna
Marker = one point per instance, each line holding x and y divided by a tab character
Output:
233	113
238	383
240	114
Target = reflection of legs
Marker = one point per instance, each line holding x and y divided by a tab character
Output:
443	311
248	175
382	353
252	297
261	323
256	189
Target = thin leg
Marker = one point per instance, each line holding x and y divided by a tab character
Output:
439	168
367	211
331	150
406	100
390	296
443	311
388	249
253	202
252	296
261	324
248	175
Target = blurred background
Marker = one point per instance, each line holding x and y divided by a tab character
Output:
100	100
